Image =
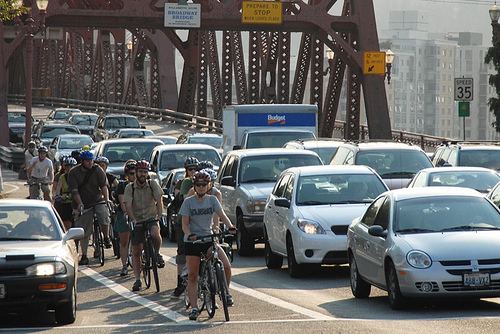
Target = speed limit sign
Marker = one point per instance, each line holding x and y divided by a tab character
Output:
464	89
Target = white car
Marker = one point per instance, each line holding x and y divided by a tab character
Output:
64	144
427	242
308	212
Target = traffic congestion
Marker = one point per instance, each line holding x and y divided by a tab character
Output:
303	237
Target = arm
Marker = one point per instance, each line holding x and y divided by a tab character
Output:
129	211
185	226
223	217
159	206
58	188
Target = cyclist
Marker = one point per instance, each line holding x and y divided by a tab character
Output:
41	171
143	200
121	221
29	154
63	198
112	182
88	186
60	172
197	212
190	166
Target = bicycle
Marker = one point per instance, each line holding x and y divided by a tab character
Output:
97	237
149	256
35	187
211	278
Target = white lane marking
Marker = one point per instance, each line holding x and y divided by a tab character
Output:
8	184
122	291
273	300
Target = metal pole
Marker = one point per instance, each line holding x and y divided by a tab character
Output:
29	78
464	126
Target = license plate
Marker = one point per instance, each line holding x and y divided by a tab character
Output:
2	291
476	279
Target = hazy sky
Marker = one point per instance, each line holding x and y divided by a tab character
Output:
443	15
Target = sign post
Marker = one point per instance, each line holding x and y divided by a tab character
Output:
464	93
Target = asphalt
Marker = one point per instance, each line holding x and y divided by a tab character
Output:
10	185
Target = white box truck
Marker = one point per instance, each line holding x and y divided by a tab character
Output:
267	125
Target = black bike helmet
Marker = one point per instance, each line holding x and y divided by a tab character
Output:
129	165
205	164
142	164
201	176
191	162
86	155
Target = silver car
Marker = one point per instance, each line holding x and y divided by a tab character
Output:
426	242
308	212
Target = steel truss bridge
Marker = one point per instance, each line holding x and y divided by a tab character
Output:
90	60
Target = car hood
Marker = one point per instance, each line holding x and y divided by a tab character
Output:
66	151
455	245
38	248
260	190
333	214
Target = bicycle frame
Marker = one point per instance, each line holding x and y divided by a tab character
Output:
149	256
97	237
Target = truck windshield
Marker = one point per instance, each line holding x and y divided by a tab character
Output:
275	139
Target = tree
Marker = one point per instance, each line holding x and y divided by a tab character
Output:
10	10
493	55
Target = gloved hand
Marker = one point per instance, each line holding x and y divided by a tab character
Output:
58	198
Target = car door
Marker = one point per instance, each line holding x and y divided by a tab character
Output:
284	216
274	225
227	187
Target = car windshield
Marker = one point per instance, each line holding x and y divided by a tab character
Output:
338	189
480	158
268	168
121	122
121	152
84	119
50	132
275	139
212	141
394	163
325	153
480	181
17	117
63	114
135	133
444	214
74	142
175	159
25	223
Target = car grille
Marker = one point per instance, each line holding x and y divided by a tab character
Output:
335	257
340	229
459	286
12	272
461	267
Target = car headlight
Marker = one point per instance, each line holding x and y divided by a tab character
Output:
418	259
46	269
310	227
255	206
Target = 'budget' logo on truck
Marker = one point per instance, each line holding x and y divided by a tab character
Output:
276	119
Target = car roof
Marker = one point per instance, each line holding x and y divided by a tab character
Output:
332	169
458	169
201	134
184	147
409	193
24	203
58	125
85	114
117	115
365	146
76	135
129	140
270	151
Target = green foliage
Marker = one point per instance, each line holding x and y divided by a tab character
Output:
386	45
493	56
8	11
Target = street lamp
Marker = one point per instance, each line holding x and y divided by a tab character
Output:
330	55
389	58
494	16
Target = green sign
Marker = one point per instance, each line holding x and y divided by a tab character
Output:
463	109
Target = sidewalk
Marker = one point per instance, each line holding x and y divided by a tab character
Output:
12	186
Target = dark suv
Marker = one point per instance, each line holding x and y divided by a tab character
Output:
476	154
107	124
395	162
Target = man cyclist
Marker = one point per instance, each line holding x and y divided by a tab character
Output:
144	203
29	154
197	213
40	171
88	186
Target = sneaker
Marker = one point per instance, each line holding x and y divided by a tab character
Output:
230	301
194	314
137	285
83	261
124	271
161	262
107	243
179	290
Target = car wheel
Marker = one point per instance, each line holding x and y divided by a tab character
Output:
244	243
359	287
66	312
396	299
273	261
294	269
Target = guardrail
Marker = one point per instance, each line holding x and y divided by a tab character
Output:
12	157
426	142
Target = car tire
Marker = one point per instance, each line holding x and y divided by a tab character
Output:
359	287
396	299
295	270
273	261
244	243
66	312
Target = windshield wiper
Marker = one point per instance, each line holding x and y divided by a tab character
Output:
414	230
470	228
312	203
407	174
259	180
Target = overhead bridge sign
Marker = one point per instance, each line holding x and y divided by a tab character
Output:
182	15
259	12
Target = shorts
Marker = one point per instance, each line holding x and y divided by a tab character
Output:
180	258
195	249
86	220
121	225
139	235
64	210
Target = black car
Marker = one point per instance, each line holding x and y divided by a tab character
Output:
38	260
17	125
45	131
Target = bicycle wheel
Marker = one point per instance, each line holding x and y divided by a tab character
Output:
146	266
129	256
153	260
99	243
221	281
115	240
209	290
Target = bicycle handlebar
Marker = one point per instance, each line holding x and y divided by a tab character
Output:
204	238
92	206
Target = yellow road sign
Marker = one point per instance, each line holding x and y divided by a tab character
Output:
268	12
374	63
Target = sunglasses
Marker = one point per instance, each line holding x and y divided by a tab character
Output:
200	184
191	169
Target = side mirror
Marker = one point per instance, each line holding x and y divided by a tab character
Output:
227	181
74	233
377	231
282	202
